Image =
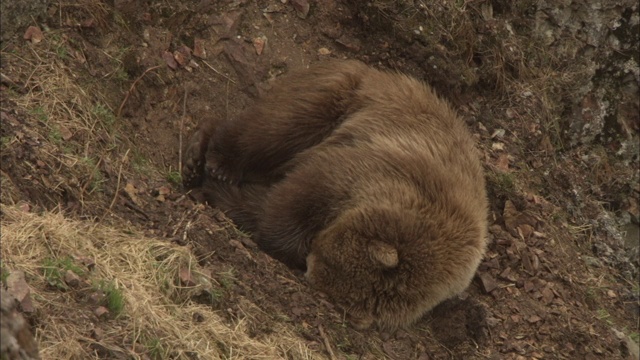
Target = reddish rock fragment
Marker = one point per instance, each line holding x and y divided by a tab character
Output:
302	8
259	43
71	279
34	34
19	289
199	49
101	312
488	282
182	55
97	334
185	278
170	60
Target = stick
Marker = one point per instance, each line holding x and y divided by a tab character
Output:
133	86
184	112
115	196
218	72
325	340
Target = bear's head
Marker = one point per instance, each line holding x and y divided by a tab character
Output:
389	266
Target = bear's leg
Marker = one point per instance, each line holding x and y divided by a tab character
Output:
242	204
193	157
299	112
295	210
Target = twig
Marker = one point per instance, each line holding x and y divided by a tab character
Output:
133	86
115	196
218	72
226	105
184	112
135	208
325	339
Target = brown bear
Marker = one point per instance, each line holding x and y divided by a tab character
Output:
365	178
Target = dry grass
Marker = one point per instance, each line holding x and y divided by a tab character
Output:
157	314
75	129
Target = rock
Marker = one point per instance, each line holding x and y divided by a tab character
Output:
185	278
302	8
534	319
242	60
547	294
17	286
71	279
88	262
16	339
518	224
631	346
226	25
350	43
605	102
19	289
498	133
259	43
170	60
97	334
488	282
101	312
33	34
199	49
96	297
182	55
131	190
530	262
324	51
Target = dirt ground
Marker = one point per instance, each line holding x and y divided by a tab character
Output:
98	102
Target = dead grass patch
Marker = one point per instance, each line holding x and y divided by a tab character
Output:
157	316
71	130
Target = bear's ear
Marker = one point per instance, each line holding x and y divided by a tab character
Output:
383	253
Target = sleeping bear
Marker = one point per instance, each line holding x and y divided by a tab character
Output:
364	178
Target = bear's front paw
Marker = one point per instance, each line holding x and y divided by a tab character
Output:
193	159
216	171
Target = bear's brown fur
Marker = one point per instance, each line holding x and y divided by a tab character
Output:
364	177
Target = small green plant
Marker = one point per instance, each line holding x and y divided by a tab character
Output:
121	75
62	52
140	163
53	271
503	184
635	336
556	216
105	115
114	298
506	181
174	177
5	141
55	136
97	179
4	274
155	348
227	278
344	345
216	295
603	314
40	114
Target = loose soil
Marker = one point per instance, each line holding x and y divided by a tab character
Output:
94	117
